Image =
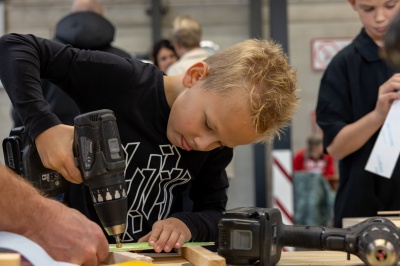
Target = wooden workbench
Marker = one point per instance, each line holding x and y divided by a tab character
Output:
347	222
326	258
290	258
298	258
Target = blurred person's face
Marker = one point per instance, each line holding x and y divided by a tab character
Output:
316	150
165	58
376	15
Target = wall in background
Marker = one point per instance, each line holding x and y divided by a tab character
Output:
225	22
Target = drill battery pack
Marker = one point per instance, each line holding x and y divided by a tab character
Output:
20	154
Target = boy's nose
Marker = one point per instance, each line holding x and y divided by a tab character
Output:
206	142
380	15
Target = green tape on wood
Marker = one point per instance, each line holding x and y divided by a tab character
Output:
145	246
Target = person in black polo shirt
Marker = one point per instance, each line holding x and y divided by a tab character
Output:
355	95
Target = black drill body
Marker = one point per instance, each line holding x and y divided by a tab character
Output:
256	236
99	157
20	154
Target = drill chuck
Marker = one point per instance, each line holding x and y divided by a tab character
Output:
379	246
110	202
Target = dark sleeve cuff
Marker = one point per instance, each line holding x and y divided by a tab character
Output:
45	122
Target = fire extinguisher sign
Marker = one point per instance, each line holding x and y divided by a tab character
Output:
324	49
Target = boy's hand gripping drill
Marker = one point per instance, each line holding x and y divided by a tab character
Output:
100	159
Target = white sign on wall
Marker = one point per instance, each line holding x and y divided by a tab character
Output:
324	49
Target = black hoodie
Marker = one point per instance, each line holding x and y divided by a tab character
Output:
87	30
84	30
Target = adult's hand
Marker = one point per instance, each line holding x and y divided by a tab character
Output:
65	234
55	150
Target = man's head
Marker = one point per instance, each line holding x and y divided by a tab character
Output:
87	5
240	95
186	34
376	15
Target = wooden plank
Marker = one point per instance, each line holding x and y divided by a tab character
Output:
118	257
200	256
165	259
384	213
170	260
10	259
347	222
318	258
140	246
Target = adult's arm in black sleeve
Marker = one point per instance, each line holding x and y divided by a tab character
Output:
89	77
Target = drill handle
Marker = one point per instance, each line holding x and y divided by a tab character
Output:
97	144
313	237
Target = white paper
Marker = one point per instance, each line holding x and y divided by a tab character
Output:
29	250
386	150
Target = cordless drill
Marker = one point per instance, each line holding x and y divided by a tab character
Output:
99	157
256	236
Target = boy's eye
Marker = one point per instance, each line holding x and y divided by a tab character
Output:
391	4
208	125
221	145
368	9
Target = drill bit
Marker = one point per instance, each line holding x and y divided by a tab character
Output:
118	241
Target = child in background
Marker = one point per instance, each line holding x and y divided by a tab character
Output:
313	160
355	95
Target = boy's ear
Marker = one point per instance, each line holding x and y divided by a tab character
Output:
195	73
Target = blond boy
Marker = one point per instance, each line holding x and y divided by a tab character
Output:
178	132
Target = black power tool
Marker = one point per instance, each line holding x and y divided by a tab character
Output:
99	157
256	236
20	155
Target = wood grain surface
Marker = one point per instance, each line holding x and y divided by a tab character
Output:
201	257
326	258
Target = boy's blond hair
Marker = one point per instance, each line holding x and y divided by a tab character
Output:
186	31
258	70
